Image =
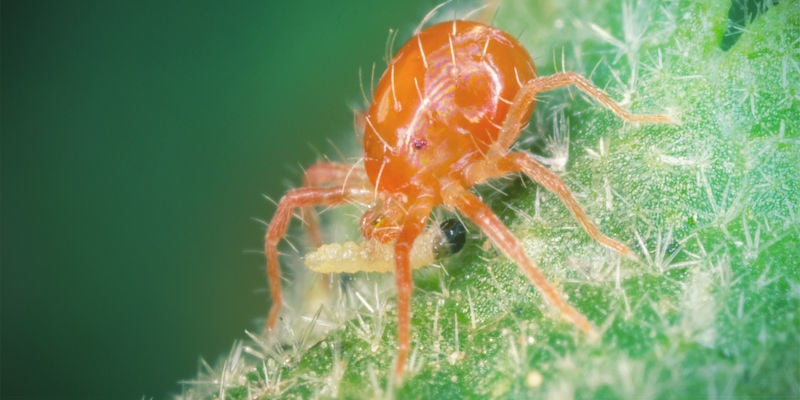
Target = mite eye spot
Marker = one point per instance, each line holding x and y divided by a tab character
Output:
420	144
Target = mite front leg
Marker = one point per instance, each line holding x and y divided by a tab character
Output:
328	174
481	215
413	226
302	197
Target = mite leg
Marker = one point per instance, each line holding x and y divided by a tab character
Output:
328	174
538	173
413	226
481	215
527	95
302	197
517	161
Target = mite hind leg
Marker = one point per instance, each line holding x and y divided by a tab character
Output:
481	215
516	121
538	173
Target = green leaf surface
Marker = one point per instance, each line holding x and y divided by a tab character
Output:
710	205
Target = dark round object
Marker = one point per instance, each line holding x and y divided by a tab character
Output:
454	235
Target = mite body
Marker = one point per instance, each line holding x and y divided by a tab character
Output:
444	115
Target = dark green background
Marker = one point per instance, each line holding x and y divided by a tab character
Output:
137	139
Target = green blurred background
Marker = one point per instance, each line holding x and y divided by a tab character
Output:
137	139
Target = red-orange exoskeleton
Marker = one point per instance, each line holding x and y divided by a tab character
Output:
444	115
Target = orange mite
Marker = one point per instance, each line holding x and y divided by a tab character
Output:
444	115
